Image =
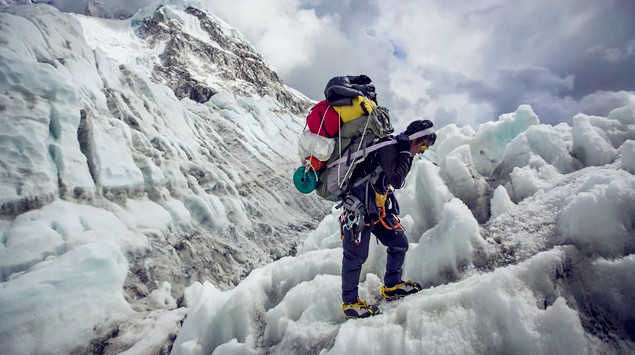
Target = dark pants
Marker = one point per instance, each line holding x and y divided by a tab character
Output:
355	256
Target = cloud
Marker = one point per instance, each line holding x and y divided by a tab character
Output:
454	61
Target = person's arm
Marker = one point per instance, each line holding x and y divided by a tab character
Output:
396	161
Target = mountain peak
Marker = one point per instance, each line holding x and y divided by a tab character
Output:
198	58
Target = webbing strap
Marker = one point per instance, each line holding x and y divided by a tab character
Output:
377	146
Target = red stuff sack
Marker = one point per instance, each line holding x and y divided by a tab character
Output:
323	120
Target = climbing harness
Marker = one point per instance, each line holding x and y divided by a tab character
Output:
351	218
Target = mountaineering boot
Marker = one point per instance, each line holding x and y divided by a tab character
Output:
404	288
360	309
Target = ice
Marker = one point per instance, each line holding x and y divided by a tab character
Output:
600	216
148	215
488	145
79	292
483	314
624	114
617	127
498	312
627	156
552	144
445	249
464	181
111	165
590	143
528	180
39	120
147	335
325	236
501	203
57	228
611	287
423	197
162	297
450	137
218	317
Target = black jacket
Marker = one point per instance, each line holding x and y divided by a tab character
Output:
395	167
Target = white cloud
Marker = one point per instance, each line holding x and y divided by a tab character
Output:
463	61
287	35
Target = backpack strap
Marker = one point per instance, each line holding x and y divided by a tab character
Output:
377	146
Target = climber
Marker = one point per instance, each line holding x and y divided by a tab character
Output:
371	207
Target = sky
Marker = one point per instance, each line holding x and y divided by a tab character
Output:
452	61
447	60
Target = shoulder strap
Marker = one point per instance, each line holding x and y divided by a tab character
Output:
376	146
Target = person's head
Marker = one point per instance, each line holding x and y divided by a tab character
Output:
426	136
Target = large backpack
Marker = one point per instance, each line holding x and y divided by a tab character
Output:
353	145
346	124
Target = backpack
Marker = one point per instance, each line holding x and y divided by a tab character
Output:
356	140
340	90
324	119
346	124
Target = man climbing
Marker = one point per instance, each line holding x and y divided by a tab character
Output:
371	207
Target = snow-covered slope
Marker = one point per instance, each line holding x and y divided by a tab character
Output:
553	273
137	156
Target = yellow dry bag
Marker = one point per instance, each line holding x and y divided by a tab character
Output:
361	106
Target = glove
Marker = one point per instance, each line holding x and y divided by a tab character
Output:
403	143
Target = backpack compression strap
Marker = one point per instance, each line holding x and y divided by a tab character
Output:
377	146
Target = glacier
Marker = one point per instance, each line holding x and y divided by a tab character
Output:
147	207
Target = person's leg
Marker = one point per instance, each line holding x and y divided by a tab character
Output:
352	261
397	244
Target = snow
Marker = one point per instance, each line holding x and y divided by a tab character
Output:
542	142
591	144
149	335
448	247
512	309
528	180
37	91
495	312
148	215
501	203
423	197
601	215
57	228
79	292
114	164
106	171
325	236
162	297
611	286
460	172
625	115
488	145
